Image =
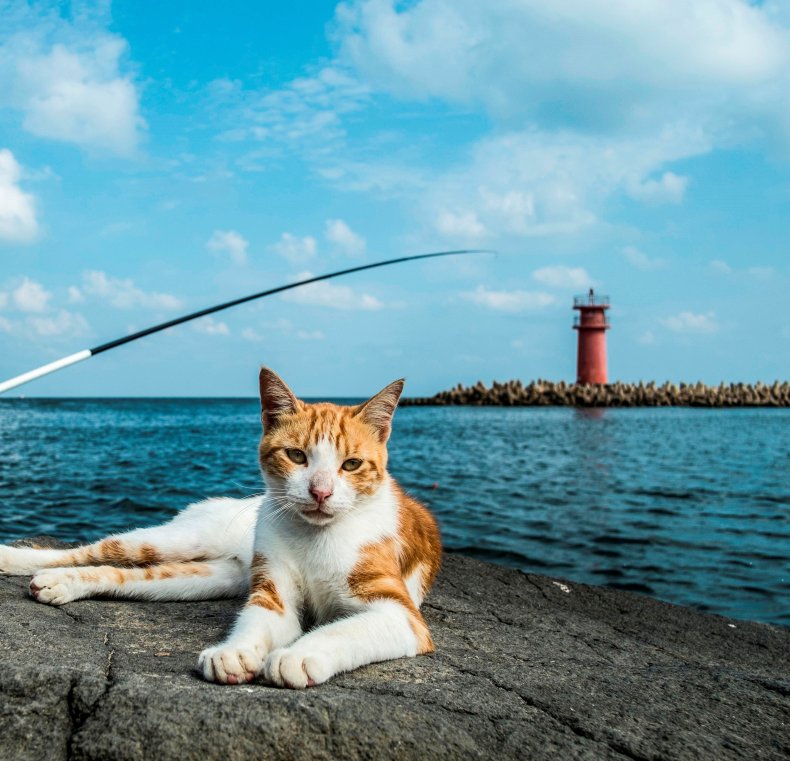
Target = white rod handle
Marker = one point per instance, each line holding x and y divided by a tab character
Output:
45	370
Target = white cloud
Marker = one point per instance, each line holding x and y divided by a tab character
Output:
295	249
65	78
573	126
30	296
757	272
550	182
122	293
641	260
17	208
720	267
534	61
307	112
326	294
669	188
563	277
75	295
310	335
211	327
465	224
349	242
647	338
229	242
691	322
248	334
61	323
509	301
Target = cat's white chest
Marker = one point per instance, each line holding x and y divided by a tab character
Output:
322	559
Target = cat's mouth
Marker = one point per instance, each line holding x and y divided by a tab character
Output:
318	516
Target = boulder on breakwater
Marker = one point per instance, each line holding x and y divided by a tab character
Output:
526	667
543	393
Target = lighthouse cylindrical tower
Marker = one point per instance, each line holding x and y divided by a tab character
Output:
592	324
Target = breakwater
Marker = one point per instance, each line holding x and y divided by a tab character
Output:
543	393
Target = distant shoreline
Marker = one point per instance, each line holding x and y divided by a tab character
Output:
542	393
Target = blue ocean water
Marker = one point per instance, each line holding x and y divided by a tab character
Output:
687	505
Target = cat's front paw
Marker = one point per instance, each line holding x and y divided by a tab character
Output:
57	587
226	664
17	561
296	668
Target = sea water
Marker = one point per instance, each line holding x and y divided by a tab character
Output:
687	505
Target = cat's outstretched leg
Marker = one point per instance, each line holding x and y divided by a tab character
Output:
166	581
208	530
269	620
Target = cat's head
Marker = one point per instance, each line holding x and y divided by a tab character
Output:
321	461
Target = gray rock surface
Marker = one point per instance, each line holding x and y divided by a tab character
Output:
527	667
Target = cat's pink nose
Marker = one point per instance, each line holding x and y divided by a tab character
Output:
320	494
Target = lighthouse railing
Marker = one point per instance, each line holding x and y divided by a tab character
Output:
590	300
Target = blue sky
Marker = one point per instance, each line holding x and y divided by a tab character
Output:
155	163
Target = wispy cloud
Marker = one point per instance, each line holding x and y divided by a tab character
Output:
122	293
305	114
464	224
211	327
62	323
640	260
571	129
509	301
65	78
720	267
296	250
669	188
692	322
229	242
18	223
344	238
325	294
30	296
563	277
310	335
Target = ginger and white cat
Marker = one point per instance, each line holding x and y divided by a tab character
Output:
336	559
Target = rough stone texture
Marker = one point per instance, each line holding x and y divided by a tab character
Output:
527	667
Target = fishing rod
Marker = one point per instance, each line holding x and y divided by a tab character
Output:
79	356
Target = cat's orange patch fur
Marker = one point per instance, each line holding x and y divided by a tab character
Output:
113	552
263	591
121	575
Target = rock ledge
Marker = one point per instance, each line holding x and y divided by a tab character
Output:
527	667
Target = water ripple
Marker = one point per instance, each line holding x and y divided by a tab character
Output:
689	505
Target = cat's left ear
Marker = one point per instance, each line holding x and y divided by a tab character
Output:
276	398
377	411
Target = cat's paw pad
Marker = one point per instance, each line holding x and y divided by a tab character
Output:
16	561
230	665
56	587
290	667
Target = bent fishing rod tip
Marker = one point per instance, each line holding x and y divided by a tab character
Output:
73	359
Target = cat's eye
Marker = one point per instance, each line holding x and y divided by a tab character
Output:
297	456
352	464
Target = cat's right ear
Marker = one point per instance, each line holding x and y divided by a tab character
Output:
276	398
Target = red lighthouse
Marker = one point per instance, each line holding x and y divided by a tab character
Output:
592	324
